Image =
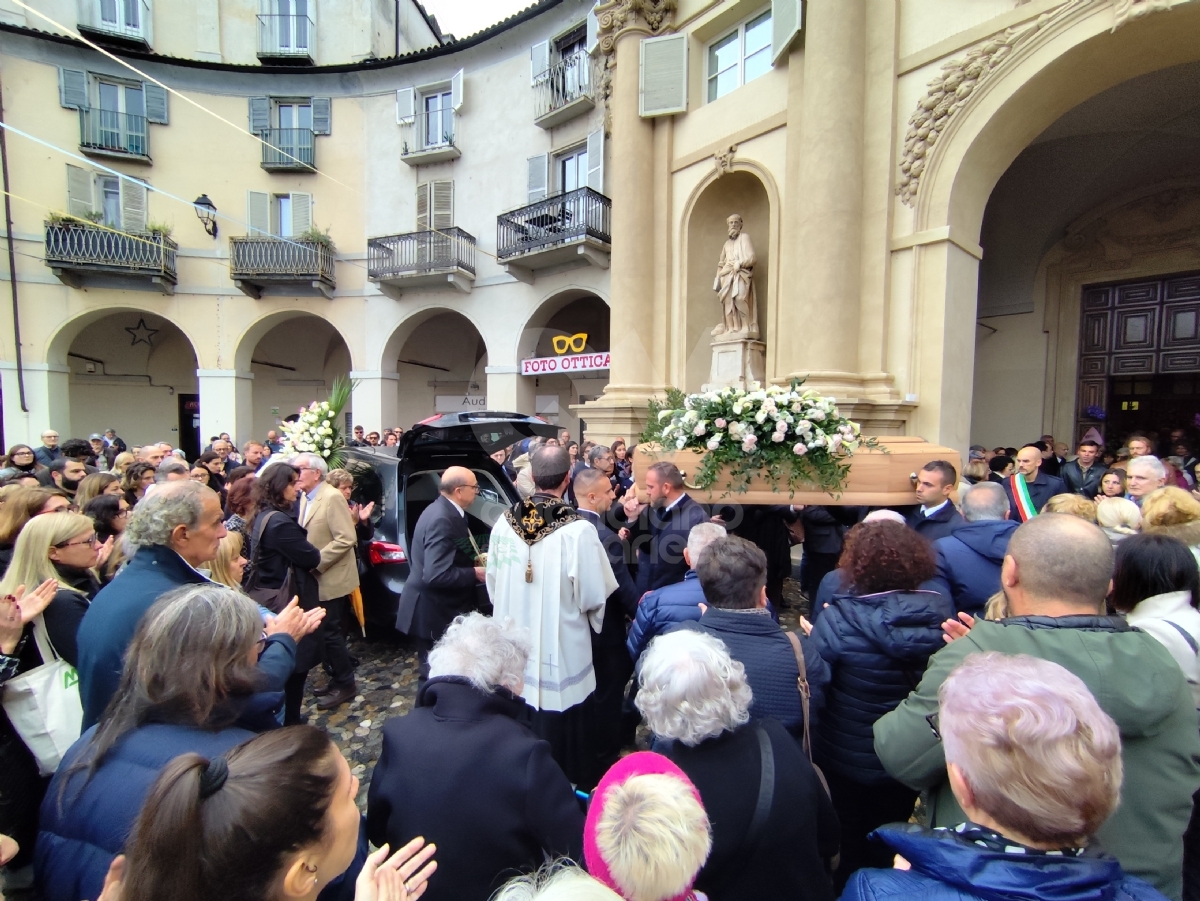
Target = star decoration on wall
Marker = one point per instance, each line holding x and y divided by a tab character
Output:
142	333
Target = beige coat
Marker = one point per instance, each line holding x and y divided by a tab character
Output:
330	527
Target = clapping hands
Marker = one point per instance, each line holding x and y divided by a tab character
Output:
19	609
400	877
294	621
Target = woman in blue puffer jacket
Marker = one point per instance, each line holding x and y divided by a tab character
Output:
1036	766
876	640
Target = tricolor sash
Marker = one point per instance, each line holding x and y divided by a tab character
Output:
1020	491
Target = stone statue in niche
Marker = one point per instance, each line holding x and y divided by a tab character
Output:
738	357
734	284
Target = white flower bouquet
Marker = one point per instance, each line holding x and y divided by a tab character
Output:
795	438
316	430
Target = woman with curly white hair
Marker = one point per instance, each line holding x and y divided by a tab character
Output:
774	832
464	772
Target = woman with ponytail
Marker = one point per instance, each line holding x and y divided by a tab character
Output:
273	819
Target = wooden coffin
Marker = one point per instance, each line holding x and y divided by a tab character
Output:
880	477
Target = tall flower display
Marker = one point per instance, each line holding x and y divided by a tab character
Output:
792	437
316	430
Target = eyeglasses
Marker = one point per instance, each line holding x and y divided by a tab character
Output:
91	539
575	343
932	719
23	454
474	487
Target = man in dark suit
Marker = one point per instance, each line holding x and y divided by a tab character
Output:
936	517
443	578
594	496
660	530
1039	486
1082	475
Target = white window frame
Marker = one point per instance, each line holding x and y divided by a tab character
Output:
740	31
99	181
445	98
121	24
559	157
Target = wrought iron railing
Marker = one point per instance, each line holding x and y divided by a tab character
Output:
74	244
288	148
419	252
566	81
292	35
280	259
427	131
101	129
555	220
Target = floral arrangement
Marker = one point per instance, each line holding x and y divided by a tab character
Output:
791	436
316	430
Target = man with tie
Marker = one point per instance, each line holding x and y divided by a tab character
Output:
594	495
326	517
444	578
936	517
659	531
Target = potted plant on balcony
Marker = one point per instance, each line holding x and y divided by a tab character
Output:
159	230
315	235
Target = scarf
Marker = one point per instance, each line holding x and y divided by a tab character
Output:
536	517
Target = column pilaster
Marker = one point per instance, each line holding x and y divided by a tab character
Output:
47	397
375	401
226	403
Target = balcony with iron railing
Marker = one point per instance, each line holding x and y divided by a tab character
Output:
76	251
288	150
565	90
287	39
112	134
575	227
429	138
258	262
424	258
125	23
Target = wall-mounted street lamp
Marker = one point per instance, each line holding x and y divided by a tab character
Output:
206	210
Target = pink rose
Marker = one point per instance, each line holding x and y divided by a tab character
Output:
720	423
799	450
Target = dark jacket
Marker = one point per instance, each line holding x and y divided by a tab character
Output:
791	856
67	610
660	539
941	524
1079	482
47	455
968	563
823	534
113	616
79	839
754	639
659	610
1134	680
947	866
626	595
463	772
876	647
285	546
835	583
1041	490
441	581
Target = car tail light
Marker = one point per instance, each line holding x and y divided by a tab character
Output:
381	552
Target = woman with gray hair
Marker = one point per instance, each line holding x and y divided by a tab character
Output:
774	832
190	684
462	770
1036	765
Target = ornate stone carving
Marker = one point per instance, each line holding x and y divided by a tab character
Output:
723	160
619	16
1164	220
953	88
1127	10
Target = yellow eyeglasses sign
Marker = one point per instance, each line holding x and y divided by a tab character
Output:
575	343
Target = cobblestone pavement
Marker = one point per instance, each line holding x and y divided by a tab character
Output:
387	687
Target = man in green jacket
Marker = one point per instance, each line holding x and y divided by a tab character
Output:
1055	578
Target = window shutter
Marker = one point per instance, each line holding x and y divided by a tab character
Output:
72	88
258	212
539	62
301	214
663	86
443	204
595	160
593	31
456	90
405	112
156	103
260	114
133	206
423	192
322	116
79	191
786	18
539	176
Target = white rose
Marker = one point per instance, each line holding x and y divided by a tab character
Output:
699	430
778	437
328	442
680	443
714	442
760	417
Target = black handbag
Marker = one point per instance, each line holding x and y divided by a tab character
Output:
274	599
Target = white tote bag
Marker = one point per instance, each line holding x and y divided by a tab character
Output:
43	704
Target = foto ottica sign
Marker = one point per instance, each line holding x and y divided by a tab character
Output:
571	363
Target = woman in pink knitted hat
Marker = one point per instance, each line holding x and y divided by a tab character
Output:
647	834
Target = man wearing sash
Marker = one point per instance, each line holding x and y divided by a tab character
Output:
548	571
1029	488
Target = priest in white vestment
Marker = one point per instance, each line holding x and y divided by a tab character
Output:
548	572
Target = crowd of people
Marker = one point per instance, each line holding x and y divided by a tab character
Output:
994	693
